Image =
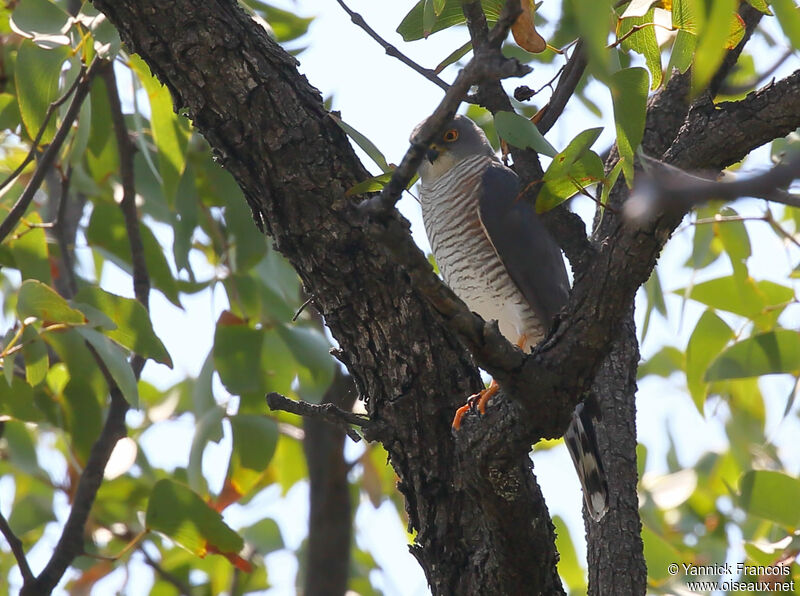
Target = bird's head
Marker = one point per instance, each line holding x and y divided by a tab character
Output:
461	139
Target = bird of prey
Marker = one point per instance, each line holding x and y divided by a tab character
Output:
497	256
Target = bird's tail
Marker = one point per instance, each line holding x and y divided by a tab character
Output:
581	442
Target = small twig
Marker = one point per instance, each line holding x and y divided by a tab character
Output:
328	412
636	29
49	155
126	149
58	224
391	50
737	89
16	547
303	307
183	589
567	83
51	109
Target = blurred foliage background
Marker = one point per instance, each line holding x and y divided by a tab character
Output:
75	307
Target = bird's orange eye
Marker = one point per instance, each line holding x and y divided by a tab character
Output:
451	135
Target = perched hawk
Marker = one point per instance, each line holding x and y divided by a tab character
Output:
497	256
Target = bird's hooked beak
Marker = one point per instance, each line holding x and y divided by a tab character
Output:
432	153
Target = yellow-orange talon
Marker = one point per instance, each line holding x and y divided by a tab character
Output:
479	399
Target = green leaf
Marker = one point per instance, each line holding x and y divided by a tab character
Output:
37	361
771	495
83	415
16	400
264	535
594	19
569	567
710	336
38	300
576	167
237	357
761	6
116	363
366	145
103	156
248	243
134	330
711	44
373	184
682	52
208	428
9	111
520	132
642	42
30	251
663	363
311	350
179	513
42	21
170	133
629	95
454	57
655	299
107	231
733	234
428	18
762	354
254	440
37	74
438	7
412	27
789	18
766	297
285	25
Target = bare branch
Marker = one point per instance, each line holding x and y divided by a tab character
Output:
183	589
663	186
328	412
391	50
567	83
16	547
48	157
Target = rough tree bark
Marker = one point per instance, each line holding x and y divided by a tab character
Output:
482	525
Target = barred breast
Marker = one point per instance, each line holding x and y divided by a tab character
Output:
465	256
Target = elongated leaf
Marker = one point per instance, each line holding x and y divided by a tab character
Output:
629	95
254	440
789	18
723	293
31	253
762	354
264	535
368	146
311	350
208	429
520	132
107	231
586	171
37	360
237	357
170	133
663	363
39	300
133	327
179	513
642	42
682	52
771	495
412	27
710	336
37	73
116	362
711	43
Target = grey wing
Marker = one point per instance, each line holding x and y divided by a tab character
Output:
530	255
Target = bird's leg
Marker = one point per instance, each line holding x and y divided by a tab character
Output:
482	398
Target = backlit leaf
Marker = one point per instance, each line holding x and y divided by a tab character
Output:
710	336
116	361
412	26
37	74
520	132
771	495
629	95
39	300
761	354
